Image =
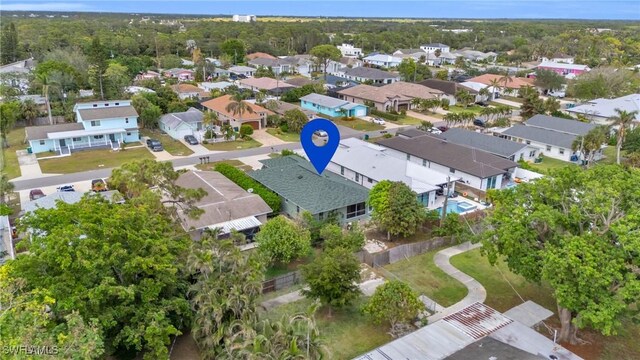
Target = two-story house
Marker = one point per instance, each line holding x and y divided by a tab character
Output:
430	48
98	124
257	118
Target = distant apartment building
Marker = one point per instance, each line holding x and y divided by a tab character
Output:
244	18
430	48
349	50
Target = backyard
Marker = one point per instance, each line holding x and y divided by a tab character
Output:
15	140
93	160
549	163
284	136
171	145
232	145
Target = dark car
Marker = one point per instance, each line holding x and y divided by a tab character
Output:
482	103
98	185
443	128
66	188
479	122
154	145
191	140
35	194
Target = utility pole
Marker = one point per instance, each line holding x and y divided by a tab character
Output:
446	200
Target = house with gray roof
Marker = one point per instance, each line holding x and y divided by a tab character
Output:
177	125
475	168
367	164
301	189
367	74
331	106
600	111
552	136
507	149
69	197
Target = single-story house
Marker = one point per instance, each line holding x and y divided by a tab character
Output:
178	125
180	74
138	90
39	100
107	123
383	60
395	96
301	189
450	88
262	55
562	68
445	58
409	52
507	149
332	81
601	110
300	81
257	118
475	168
364	74
367	164
474	55
188	91
148	75
209	86
242	70
272	86
331	106
553	136
283	107
435	46
515	83
226	206
69	197
277	65
560	58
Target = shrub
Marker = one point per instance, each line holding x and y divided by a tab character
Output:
245	131
281	241
387	136
284	127
244	181
384	115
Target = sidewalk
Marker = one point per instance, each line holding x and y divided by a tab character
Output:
477	292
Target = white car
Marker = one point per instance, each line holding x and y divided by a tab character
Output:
378	121
435	131
320	133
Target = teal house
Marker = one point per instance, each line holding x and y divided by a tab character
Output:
100	124
330	106
301	189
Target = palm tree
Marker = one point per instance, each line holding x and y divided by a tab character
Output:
506	78
209	119
589	144
238	106
495	84
6	187
463	97
622	120
551	105
29	111
417	103
484	92
46	82
261	96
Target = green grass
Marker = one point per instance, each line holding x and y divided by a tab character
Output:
284	136
346	334
358	124
512	98
502	297
237	163
496	104
408	120
9	161
426	278
233	145
92	160
171	145
610	155
549	163
472	108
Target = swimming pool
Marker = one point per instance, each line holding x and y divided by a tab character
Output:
457	207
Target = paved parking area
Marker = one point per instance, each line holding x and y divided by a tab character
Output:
265	138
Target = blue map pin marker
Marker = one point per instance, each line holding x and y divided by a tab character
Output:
320	156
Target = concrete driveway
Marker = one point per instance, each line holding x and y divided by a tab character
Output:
197	149
265	138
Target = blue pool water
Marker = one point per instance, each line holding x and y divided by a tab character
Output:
457	207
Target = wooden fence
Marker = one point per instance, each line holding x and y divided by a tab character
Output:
281	282
402	252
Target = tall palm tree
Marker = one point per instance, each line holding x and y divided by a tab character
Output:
551	105
484	92
29	111
589	144
622	120
209	119
46	82
463	97
238	106
495	84
417	103
506	79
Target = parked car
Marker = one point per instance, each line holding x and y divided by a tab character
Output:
377	120
557	93
98	185
435	131
66	188
320	133
443	128
479	122
482	103
191	140
35	194
154	145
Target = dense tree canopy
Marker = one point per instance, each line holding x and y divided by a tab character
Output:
396	208
281	240
577	230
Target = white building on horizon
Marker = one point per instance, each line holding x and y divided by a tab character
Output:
244	18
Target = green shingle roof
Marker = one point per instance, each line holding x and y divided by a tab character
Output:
294	179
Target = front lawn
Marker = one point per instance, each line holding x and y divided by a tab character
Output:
408	120
549	163
233	145
358	124
472	108
501	296
347	333
422	274
512	98
234	162
173	146
92	160
9	162
284	136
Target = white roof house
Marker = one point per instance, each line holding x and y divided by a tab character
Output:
601	110
383	60
349	50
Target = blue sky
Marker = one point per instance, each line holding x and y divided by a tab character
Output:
571	9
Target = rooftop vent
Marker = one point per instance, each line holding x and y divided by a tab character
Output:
299	176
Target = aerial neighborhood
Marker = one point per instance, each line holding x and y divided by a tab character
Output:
161	198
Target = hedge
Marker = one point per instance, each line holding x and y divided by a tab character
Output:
246	182
385	115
